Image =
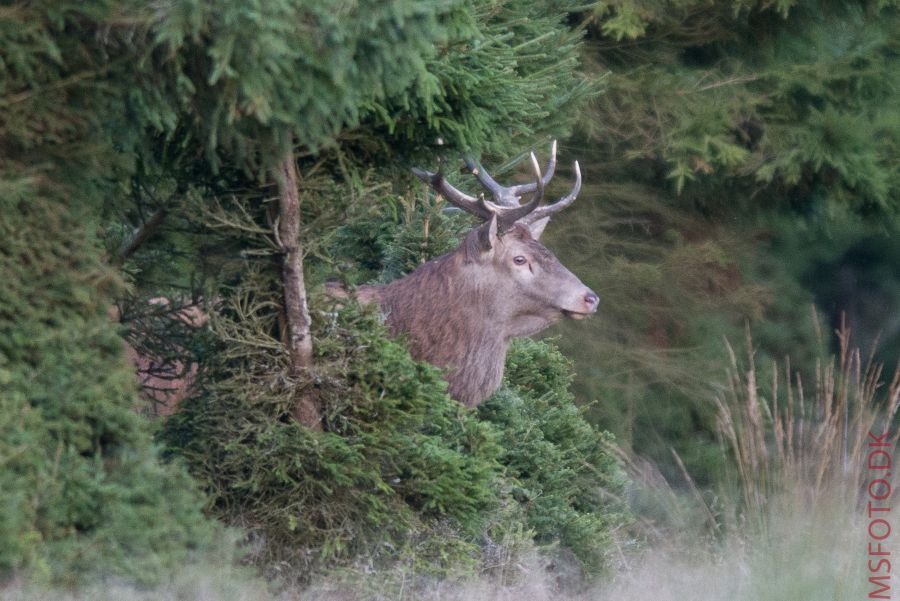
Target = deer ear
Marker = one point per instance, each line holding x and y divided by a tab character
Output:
487	234
481	240
537	228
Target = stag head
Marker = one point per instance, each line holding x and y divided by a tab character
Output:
535	287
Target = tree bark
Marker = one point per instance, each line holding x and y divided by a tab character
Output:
143	233
297	335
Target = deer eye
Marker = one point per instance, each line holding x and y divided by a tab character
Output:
520	260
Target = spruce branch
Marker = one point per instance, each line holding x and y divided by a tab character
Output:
144	232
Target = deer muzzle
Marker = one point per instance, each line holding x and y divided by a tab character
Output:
585	306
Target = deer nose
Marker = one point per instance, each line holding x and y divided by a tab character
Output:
591	301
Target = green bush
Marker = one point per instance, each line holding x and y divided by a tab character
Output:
397	452
83	491
400	469
570	485
401	473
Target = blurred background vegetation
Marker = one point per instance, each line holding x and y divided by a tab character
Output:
742	168
742	177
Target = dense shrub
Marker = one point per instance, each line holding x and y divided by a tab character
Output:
569	484
83	491
396	453
400	467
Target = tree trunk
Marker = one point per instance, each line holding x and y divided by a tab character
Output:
297	335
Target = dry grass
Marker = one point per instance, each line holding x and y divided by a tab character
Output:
788	521
792	444
818	558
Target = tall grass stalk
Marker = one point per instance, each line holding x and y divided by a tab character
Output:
788	443
787	519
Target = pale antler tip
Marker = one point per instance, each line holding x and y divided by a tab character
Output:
535	166
421	174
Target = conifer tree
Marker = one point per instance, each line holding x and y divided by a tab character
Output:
255	87
109	108
84	492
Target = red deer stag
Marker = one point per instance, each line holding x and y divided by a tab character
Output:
460	310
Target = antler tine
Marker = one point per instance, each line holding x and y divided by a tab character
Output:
508	196
510	216
559	205
506	205
488	183
470	204
521	189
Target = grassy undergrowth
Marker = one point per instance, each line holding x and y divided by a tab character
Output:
787	522
810	556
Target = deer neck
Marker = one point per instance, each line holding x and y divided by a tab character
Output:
454	321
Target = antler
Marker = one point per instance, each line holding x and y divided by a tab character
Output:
507	209
548	210
509	196
507	204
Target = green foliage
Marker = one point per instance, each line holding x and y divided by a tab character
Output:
394	237
397	453
507	77
570	485
252	75
84	493
55	120
735	142
244	80
670	286
729	96
398	457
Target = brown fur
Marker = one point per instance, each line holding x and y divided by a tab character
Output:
164	382
462	309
